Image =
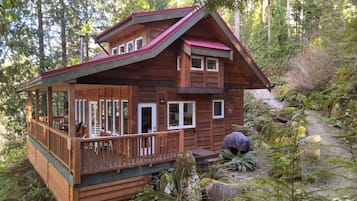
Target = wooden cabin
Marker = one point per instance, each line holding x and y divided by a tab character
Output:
171	80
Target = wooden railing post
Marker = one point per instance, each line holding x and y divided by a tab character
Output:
181	141
76	160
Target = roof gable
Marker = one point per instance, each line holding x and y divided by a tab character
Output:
151	50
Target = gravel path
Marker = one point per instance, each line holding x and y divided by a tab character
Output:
333	180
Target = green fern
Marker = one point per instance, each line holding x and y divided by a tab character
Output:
241	162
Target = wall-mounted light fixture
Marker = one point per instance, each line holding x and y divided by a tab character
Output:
162	101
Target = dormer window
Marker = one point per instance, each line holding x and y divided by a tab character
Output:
114	51
138	43
122	49
130	46
212	64
196	63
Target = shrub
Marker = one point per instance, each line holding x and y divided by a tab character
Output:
241	162
310	70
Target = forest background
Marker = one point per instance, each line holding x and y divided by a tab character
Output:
307	48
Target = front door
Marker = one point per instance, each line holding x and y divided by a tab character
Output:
147	124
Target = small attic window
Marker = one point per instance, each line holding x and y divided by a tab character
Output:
138	43
122	49
196	63
114	51
212	64
130	46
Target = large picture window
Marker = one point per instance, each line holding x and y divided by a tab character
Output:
181	114
218	109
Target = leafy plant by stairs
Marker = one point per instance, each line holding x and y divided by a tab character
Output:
241	162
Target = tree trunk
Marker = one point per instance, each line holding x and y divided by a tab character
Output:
237	21
288	12
41	48
269	20
63	34
262	12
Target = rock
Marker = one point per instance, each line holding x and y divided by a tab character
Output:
311	147
218	191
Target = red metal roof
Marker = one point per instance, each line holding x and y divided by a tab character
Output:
100	55
197	42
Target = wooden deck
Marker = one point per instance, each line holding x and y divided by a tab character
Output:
83	156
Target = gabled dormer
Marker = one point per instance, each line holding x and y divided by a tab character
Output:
137	30
200	65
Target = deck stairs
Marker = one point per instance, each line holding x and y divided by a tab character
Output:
205	157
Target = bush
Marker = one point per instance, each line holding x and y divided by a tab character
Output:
311	70
241	162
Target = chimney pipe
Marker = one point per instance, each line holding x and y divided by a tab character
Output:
81	48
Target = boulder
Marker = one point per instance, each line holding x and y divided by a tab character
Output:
311	147
236	142
218	191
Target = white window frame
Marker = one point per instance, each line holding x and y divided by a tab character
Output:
181	115
100	113
76	110
107	129
178	63
127	46
222	109
120	46
114	49
122	116
114	124
202	63
84	111
80	107
137	39
212	59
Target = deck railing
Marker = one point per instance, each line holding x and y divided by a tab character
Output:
92	155
117	152
54	140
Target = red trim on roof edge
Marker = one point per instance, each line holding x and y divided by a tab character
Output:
111	28
205	44
155	42
244	50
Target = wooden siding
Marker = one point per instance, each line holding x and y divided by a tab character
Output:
50	175
209	132
117	190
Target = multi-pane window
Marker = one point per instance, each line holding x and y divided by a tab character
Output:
212	64
116	114
102	114
181	114
138	43
124	117
108	116
80	110
218	109
196	63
